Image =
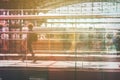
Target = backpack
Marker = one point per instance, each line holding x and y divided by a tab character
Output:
32	37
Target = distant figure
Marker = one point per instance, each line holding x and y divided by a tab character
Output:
116	41
109	45
5	37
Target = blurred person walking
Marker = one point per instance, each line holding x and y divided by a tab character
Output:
27	43
116	41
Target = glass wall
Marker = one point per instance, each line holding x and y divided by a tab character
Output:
76	38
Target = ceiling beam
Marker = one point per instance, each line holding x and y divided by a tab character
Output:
57	16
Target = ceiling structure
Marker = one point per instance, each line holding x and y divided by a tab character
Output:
42	4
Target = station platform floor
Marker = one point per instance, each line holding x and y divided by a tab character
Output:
65	65
95	62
